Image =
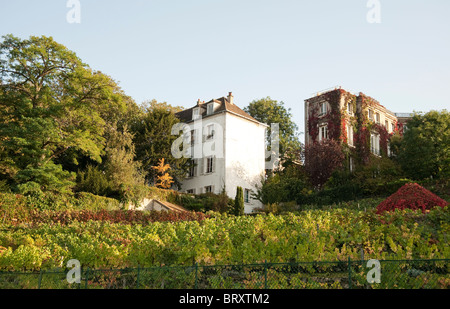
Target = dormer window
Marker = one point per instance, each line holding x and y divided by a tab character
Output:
196	113
210	109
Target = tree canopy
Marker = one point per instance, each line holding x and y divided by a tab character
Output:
55	111
153	140
424	149
270	111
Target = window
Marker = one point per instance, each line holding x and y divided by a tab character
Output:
209	164
351	164
386	125
375	143
196	113
208	189
370	114
193	168
210	109
323	133
393	127
349	108
377	117
210	131
193	134
323	108
246	195
190	191
350	134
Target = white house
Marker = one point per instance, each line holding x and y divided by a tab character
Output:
227	147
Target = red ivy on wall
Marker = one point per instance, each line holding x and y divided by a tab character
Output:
344	138
336	121
334	115
313	121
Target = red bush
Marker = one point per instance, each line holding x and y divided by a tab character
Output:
411	196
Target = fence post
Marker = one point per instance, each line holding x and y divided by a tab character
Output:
265	274
40	279
349	274
196	275
137	279
87	276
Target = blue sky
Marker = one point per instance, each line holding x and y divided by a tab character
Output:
179	51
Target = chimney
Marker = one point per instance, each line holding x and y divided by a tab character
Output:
230	97
198	102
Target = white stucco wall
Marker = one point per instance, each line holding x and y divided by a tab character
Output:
202	178
239	148
244	161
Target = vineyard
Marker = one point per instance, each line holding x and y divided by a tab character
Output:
119	238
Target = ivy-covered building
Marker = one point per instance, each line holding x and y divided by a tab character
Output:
361	124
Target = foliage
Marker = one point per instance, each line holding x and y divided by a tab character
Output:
16	203
67	217
54	111
374	175
424	150
239	202
310	235
412	196
163	179
207	202
4	187
94	180
153	141
269	111
285	186
324	158
119	165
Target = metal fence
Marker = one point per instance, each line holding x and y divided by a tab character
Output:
393	274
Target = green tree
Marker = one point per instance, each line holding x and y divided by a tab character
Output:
52	107
122	170
94	180
425	147
153	140
269	111
286	186
239	202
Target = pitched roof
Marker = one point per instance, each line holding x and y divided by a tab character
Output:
224	106
171	206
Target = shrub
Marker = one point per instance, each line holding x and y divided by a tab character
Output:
411	196
95	181
239	202
4	186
